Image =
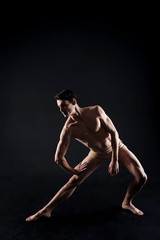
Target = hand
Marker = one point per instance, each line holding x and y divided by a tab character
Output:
80	168
113	168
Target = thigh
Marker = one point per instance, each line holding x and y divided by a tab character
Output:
130	162
92	164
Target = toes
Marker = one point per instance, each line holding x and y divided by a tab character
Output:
37	216
140	213
31	218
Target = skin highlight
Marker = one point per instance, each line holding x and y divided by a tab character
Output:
93	128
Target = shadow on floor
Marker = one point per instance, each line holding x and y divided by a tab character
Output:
88	218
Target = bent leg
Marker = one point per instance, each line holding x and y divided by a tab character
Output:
68	189
132	164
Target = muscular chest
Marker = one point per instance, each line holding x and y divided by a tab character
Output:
87	128
91	125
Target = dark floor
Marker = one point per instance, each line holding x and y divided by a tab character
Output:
93	212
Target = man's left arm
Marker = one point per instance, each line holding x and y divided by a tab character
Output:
109	126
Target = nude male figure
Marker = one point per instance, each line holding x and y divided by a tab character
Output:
93	128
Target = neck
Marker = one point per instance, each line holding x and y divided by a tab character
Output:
77	114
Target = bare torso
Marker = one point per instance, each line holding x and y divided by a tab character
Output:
89	130
93	128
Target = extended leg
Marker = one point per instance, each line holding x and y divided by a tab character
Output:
67	190
129	161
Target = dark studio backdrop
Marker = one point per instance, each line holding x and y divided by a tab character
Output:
107	60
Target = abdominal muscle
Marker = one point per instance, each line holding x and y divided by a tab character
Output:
98	141
95	143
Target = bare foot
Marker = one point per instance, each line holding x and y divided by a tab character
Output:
132	208
39	214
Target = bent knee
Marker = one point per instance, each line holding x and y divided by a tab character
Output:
74	181
142	179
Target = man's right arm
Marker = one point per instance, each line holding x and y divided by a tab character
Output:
61	150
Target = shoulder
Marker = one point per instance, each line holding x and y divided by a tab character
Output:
98	110
95	111
94	108
100	113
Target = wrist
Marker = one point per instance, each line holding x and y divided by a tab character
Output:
114	160
75	171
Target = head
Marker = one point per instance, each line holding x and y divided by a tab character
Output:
66	101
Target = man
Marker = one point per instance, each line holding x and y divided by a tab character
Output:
93	128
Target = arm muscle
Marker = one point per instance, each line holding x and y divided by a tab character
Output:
61	150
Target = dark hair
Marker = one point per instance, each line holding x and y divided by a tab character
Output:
65	95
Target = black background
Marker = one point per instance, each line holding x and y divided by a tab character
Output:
108	59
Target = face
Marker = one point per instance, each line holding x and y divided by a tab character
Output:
66	108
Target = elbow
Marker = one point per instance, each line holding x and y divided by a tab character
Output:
58	159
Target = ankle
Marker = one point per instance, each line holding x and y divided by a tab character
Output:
46	210
126	202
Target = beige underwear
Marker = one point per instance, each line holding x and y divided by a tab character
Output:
106	154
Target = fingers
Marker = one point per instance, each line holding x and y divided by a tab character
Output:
83	166
113	168
113	172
